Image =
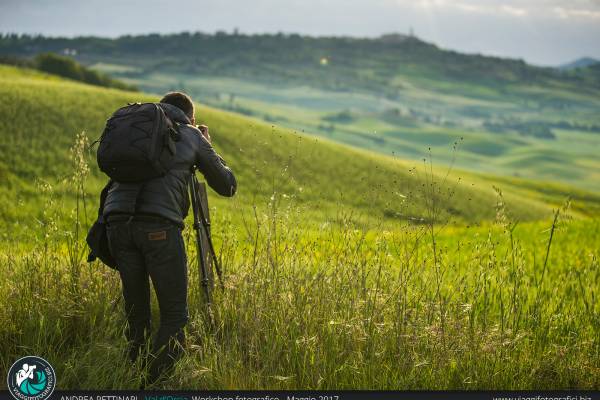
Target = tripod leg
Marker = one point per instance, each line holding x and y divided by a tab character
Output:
208	244
204	217
202	267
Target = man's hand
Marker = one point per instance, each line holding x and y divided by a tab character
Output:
204	130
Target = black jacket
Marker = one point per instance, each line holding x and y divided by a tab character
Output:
168	196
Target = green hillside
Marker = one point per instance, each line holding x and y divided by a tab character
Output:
66	67
40	116
343	269
395	94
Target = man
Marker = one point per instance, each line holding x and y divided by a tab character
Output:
145	221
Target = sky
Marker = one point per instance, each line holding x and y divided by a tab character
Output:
542	32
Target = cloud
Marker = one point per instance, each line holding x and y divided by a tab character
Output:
566	13
583	9
517	12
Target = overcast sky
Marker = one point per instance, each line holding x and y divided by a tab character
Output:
546	32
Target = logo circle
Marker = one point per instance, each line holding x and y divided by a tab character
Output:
31	378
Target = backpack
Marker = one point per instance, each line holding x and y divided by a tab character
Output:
138	143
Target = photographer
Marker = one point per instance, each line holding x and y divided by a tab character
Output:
145	220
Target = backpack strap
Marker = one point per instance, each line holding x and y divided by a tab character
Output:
137	197
103	195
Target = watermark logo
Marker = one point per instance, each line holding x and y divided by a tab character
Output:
31	378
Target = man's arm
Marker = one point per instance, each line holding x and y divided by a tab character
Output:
213	167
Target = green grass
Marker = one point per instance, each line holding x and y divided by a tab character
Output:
343	269
447	111
317	173
496	105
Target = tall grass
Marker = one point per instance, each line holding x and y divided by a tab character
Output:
338	305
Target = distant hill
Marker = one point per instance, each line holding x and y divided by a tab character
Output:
579	63
336	63
319	175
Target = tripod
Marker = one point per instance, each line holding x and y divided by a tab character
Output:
200	220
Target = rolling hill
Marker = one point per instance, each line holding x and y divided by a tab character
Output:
40	116
338	63
395	94
343	269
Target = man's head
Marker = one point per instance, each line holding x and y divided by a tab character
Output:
181	101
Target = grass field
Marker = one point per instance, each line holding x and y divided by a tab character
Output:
343	269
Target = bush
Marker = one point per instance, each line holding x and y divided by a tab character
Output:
69	68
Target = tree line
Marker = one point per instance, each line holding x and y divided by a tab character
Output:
67	68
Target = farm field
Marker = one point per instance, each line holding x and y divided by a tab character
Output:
420	118
343	268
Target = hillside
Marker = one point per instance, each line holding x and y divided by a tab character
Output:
583	62
394	94
66	67
40	116
343	269
369	64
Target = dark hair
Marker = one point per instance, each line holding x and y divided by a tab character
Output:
181	101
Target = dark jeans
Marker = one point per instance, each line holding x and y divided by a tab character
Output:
152	248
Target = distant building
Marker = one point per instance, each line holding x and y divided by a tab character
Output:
394	37
69	52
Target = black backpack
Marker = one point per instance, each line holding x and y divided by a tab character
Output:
138	143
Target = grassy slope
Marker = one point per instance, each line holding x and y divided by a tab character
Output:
40	116
334	308
443	95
